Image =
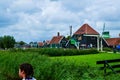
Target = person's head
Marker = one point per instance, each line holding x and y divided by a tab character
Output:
25	70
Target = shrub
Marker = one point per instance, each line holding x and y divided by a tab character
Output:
56	51
107	49
66	52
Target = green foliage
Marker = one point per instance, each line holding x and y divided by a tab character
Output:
10	63
61	52
21	42
68	37
7	42
58	52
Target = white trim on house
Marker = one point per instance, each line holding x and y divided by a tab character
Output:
91	35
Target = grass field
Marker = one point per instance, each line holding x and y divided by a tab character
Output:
88	59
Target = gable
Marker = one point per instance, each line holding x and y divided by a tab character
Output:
86	29
56	39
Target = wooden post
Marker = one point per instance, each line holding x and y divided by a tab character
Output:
101	44
104	68
98	44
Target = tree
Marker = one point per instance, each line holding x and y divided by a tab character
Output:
1	42
21	43
7	42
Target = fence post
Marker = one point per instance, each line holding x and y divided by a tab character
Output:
105	68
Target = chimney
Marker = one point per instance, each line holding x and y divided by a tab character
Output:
70	31
58	34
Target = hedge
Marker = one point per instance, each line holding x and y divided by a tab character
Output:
58	51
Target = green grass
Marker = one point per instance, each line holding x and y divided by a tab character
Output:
88	59
54	68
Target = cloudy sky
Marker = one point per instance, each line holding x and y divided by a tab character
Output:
38	20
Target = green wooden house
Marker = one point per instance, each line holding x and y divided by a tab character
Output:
86	37
58	41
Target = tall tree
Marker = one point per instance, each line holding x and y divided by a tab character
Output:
7	42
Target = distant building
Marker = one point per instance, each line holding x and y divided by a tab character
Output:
24	46
33	44
58	41
44	44
40	44
111	42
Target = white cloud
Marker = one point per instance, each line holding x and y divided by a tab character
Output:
37	20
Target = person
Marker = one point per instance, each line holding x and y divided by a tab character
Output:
26	71
118	47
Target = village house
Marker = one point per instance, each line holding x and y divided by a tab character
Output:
86	37
40	44
33	44
46	43
58	41
111	42
43	44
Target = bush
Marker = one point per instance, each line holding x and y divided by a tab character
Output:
107	49
66	52
56	51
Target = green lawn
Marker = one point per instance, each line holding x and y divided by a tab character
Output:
88	59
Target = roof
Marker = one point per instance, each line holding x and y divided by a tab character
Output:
56	39
40	44
113	41
86	29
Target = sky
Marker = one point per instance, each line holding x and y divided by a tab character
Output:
39	20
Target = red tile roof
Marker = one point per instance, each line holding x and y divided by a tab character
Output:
40	44
113	41
56	39
86	29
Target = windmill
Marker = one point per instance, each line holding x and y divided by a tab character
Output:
102	37
105	35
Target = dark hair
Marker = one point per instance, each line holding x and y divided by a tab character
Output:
27	68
